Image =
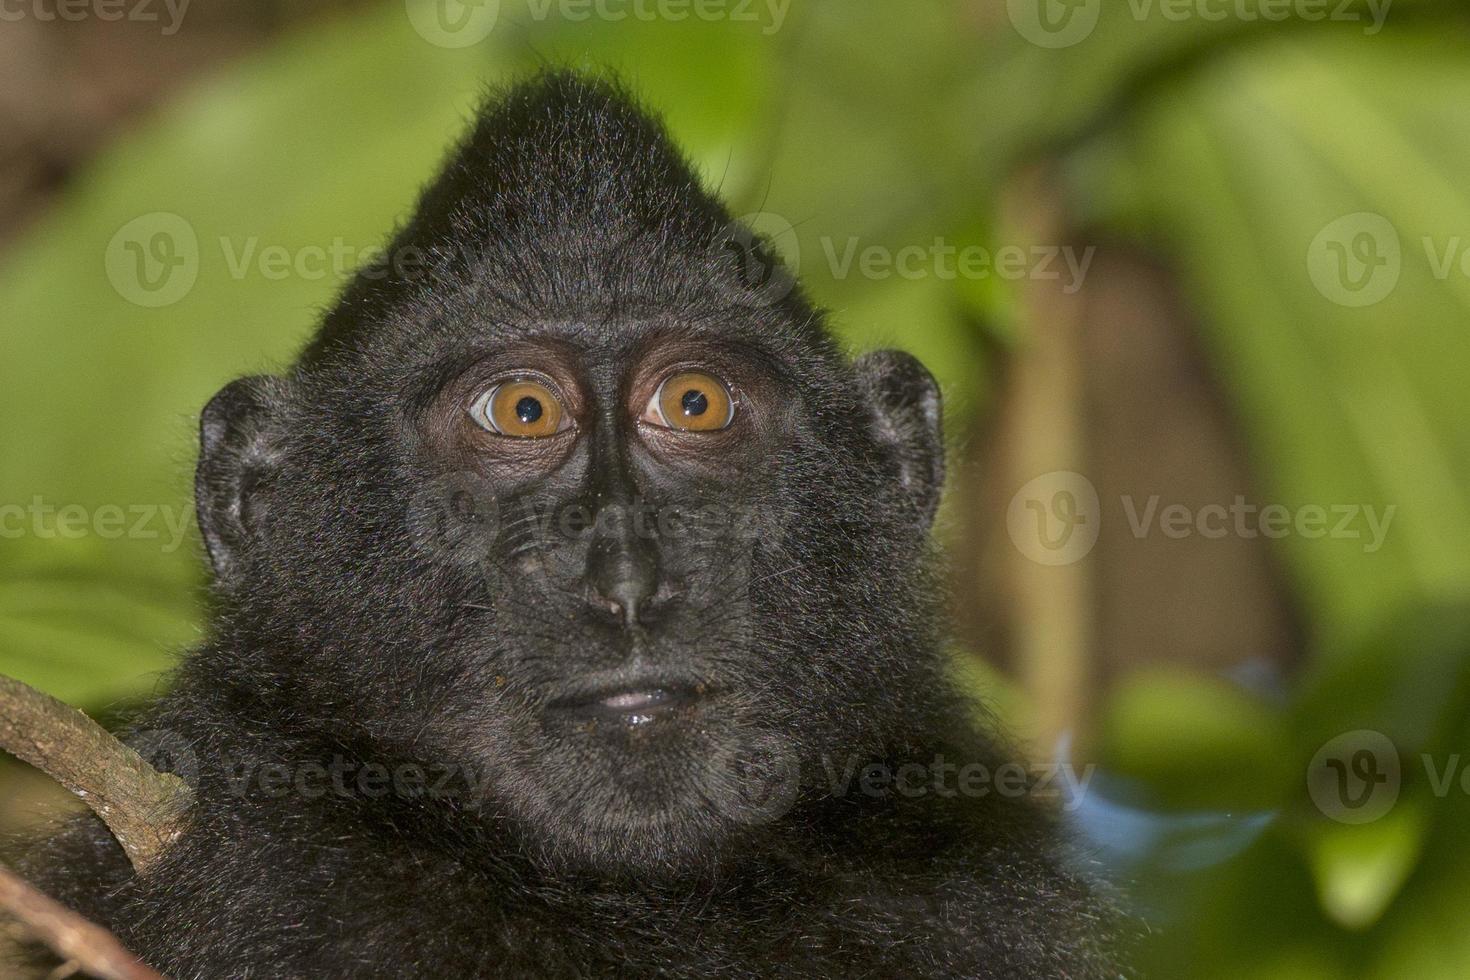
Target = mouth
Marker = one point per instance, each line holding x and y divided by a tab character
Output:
635	703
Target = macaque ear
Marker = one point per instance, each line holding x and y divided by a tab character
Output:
237	458
908	417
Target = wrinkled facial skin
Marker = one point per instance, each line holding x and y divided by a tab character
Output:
637	644
620	554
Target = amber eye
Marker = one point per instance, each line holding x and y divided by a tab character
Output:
691	401
522	409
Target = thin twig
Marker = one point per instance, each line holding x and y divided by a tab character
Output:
88	947
142	807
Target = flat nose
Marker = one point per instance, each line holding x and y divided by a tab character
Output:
622	569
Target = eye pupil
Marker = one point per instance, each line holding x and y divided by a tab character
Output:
694	402
521	409
691	401
528	409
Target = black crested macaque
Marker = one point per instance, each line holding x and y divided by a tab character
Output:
575	617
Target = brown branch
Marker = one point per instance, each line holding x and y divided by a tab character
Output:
142	807
1053	605
85	946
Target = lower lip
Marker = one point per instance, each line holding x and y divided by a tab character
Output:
629	707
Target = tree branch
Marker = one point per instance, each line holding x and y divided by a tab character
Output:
87	947
143	807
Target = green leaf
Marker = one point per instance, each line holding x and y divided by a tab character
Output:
252	201
1245	174
1360	869
1196	743
319	143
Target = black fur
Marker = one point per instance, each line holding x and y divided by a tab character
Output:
390	595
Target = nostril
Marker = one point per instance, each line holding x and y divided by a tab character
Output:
605	604
622	577
629	603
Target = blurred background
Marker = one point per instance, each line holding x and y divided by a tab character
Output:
1195	275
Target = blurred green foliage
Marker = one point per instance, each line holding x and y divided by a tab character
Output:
1227	146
